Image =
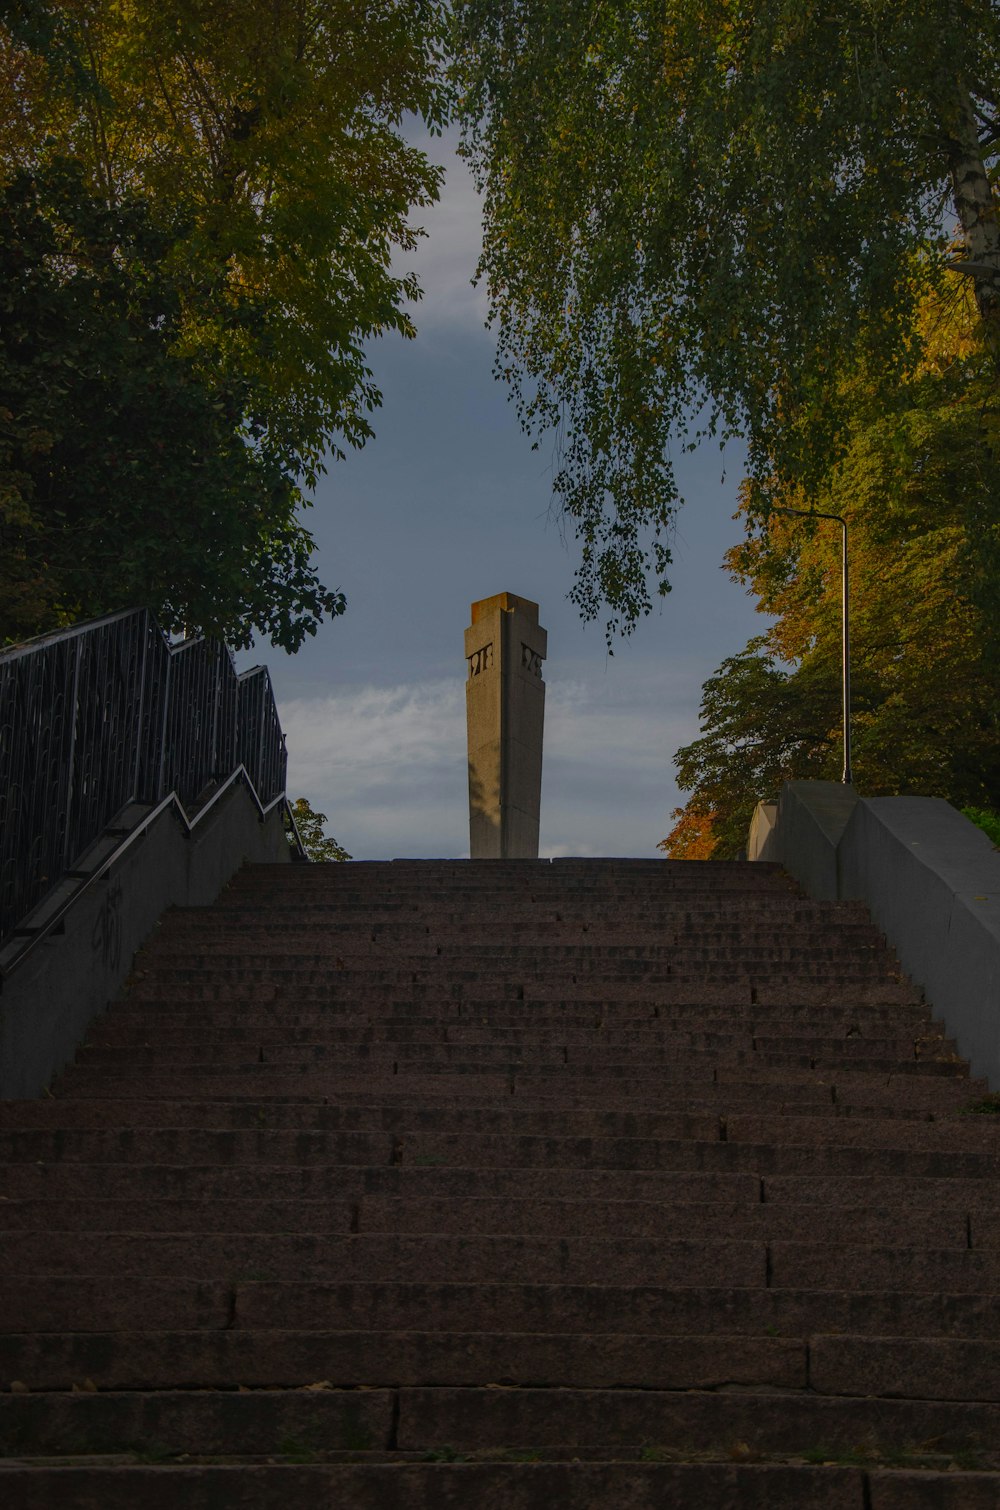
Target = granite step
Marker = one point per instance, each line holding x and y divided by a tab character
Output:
429	1486
441	1114
340	1022
502	1074
586	1053
961	1147
203	1422
940	1368
273	1359
360	1040
435	1259
386	1177
99	1303
865	1226
149	992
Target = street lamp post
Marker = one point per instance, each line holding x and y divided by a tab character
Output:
845	636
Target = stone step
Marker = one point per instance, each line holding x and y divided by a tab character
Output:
483	1216
391	874
340	1021
507	1114
916	1368
162	1423
148	1018
949	1085
482	1082
625	1062
510	1115
439	1486
566	1307
479	1418
868	1146
89	1303
442	1115
427	949
583	1052
150	991
472	965
561	939
432	1259
122	1181
670	919
605	1360
135	1181
669	1140
540	904
436	1259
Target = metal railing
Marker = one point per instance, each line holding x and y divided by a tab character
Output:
108	714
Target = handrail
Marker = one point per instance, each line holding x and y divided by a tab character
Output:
39	641
108	714
12	957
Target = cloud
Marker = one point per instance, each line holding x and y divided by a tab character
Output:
445	259
388	766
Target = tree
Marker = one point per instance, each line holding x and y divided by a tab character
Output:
698	216
259	143
126	475
924	646
693	836
318	846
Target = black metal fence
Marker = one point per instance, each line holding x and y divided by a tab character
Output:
107	714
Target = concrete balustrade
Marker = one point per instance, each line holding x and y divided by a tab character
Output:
930	878
49	1001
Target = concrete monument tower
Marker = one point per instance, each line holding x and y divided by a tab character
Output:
505	705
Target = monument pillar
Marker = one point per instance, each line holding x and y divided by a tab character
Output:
505	705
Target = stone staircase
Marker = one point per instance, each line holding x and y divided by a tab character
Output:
505	1185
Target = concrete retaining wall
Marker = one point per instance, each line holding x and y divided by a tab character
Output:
931	880
48	1002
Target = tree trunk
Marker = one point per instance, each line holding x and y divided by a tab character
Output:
977	212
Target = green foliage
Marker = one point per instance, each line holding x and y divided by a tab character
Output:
698	213
201	204
125	475
294	1450
987	1106
317	845
986	819
926	702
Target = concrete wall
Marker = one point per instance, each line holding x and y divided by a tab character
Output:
931	881
760	840
804	834
48	1001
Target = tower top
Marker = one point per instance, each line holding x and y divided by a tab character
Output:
506	602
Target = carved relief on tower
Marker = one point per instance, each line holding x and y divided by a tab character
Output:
481	660
531	660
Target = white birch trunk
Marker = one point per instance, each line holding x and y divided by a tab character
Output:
977	211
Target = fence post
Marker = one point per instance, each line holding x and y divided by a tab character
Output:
216	699
70	784
161	774
144	631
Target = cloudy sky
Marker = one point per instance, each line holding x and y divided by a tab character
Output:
447	505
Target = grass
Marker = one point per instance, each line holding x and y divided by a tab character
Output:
154	1452
355	1437
295	1451
987	1106
986	819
